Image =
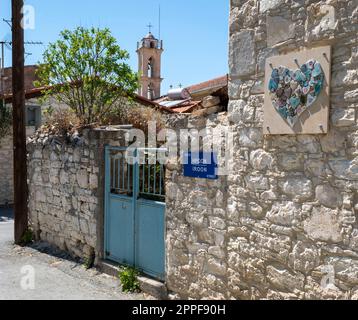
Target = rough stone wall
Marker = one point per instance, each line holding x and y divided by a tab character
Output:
66	190
6	171
7	168
284	222
196	223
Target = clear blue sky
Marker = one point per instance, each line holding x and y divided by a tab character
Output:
195	32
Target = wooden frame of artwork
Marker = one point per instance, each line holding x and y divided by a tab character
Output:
297	92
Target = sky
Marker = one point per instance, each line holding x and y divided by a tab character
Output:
194	32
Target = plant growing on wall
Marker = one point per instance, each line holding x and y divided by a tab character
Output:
86	69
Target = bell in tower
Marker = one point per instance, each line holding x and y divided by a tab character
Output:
149	51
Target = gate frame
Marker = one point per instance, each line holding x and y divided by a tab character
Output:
134	200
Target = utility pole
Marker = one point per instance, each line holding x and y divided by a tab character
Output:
19	129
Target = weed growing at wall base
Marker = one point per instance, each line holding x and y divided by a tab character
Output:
129	279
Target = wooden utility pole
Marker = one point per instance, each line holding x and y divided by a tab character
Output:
19	129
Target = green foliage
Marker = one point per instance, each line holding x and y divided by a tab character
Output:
88	262
5	119
129	279
86	70
48	112
27	238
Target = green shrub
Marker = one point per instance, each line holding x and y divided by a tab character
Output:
129	279
27	238
88	262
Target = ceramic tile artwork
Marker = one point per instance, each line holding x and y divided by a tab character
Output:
294	91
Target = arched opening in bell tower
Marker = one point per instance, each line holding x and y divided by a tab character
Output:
151	67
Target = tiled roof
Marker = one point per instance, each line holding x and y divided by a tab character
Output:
187	107
38	92
30	77
207	85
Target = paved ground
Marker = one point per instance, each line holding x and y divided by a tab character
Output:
56	277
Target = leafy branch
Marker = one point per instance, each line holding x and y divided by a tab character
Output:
86	70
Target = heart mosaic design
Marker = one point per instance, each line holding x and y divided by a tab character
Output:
293	92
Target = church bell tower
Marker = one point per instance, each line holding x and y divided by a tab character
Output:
149	51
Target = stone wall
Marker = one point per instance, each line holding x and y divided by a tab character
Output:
283	224
66	190
7	168
196	222
6	171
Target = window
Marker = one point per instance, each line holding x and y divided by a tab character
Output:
33	116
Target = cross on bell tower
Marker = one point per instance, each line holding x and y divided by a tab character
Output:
149	51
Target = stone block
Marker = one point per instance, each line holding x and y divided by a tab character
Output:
216	267
284	280
210	101
279	30
304	257
343	117
266	5
242	61
324	225
284	213
328	196
261	160
299	188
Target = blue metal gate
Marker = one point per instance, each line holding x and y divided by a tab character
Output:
135	209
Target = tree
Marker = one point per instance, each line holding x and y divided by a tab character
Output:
86	70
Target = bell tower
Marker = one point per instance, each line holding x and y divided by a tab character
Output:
149	51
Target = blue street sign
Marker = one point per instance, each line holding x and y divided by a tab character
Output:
200	165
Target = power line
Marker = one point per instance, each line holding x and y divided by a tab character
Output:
9	22
8	44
